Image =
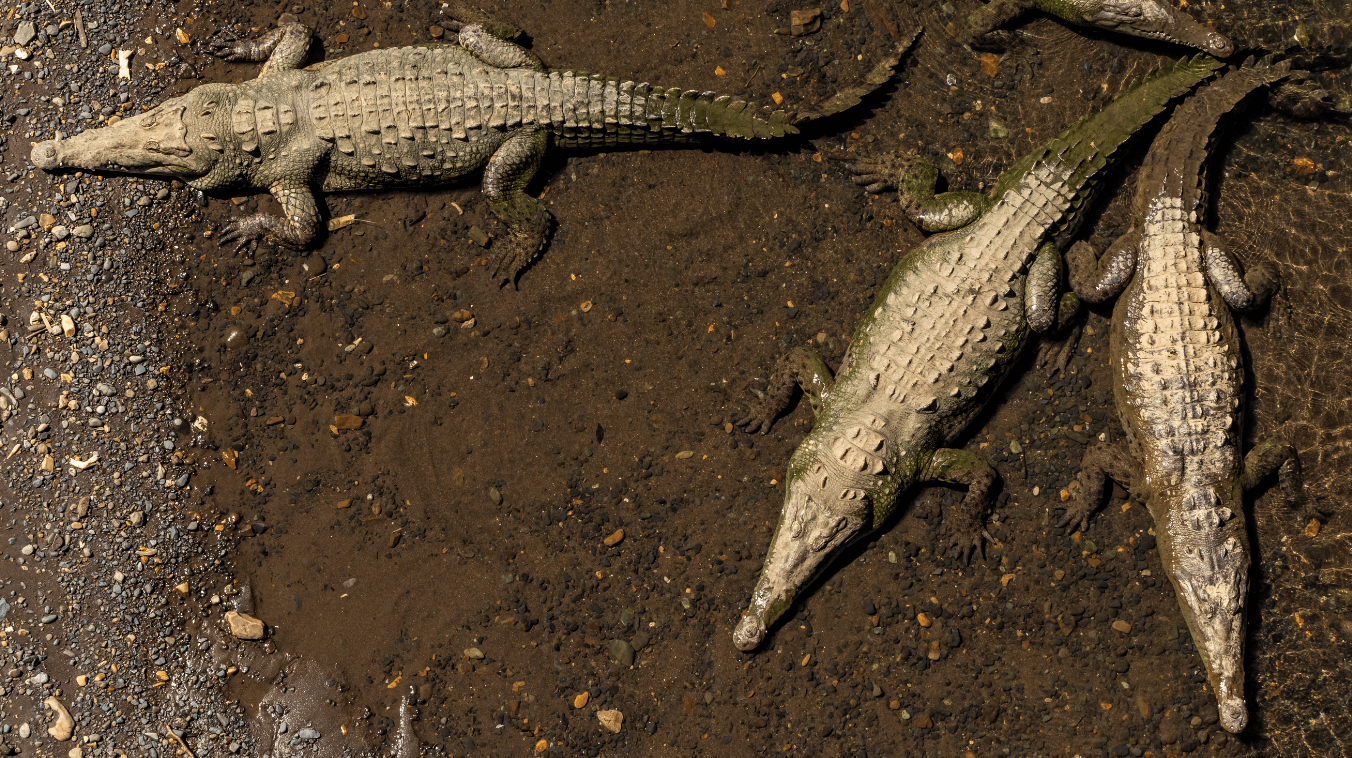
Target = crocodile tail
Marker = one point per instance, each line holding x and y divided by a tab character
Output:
1085	148
1184	141
850	97
585	109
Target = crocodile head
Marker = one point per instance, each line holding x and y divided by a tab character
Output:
812	528
1151	19
1205	553
154	143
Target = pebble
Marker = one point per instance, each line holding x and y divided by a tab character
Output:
307	734
1122	626
923	620
64	726
474	654
244	626
622	652
580	701
24	33
611	720
24	731
614	539
495	496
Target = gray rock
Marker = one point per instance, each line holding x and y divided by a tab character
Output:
622	652
60	232
83	231
307	734
25	33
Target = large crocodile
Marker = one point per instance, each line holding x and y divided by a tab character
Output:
1140	18
407	117
1177	376
944	331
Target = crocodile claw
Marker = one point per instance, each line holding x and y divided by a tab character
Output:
225	45
881	173
753	419
970	541
1078	515
515	252
240	234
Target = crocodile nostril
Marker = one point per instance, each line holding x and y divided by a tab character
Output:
44	155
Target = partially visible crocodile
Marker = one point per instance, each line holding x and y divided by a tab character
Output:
1151	19
944	331
1177	378
407	117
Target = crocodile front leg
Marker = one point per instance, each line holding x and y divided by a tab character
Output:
798	366
1101	462
1099	281
1241	290
914	178
983	32
297	229
505	179
961	467
284	47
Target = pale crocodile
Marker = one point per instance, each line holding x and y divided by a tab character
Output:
408	117
1177	382
944	331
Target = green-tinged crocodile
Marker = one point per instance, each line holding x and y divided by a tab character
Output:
407	117
1177	379
943	332
1139	18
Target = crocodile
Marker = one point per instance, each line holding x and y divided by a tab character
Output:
945	329
409	117
1139	18
1177	383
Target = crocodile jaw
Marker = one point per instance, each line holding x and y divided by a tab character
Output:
1147	18
153	143
809	534
1205	553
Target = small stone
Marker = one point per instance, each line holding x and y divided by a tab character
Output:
580	701
60	232
437	33
495	496
83	231
181	589
307	734
24	731
478	236
1122	626
25	33
614	539
474	654
622	651
923	620
82	680
612	720
64	726
1312	528
347	422
344	504
75	752
1006	579
541	747
685	454
244	626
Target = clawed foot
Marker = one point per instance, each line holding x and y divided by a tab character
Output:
460	14
881	173
241	233
515	252
1077	515
754	417
226	46
970	540
1055	356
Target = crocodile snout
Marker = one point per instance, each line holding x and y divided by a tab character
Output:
45	155
749	634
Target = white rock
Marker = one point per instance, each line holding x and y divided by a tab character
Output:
613	721
65	725
24	731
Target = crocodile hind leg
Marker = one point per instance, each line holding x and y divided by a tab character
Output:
983	32
297	229
1272	456
284	47
961	467
1241	290
1099	281
914	179
798	366
496	51
1101	462
509	170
